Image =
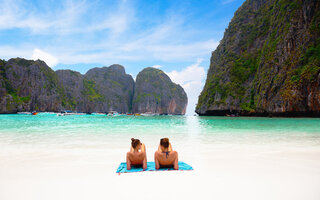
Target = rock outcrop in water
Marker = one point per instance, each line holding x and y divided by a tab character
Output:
27	85
156	93
268	62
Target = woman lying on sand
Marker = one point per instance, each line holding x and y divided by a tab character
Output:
136	157
165	157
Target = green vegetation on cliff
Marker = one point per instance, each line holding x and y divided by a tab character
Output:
27	85
9	89
267	62
90	91
154	92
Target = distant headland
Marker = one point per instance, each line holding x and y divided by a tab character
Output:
27	85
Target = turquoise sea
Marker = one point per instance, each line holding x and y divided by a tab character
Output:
75	157
17	128
101	135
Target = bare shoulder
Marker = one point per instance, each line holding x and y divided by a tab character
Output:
129	154
174	152
142	153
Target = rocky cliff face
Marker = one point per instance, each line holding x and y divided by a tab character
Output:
109	88
268	62
99	90
27	85
73	86
156	93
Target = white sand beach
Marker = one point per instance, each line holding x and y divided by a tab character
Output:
221	171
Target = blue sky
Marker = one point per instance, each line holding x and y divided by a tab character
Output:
175	36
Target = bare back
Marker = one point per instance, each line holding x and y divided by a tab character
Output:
164	159
136	158
167	159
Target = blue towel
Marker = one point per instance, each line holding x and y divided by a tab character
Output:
150	167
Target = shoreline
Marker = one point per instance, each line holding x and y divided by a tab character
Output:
240	113
227	114
83	113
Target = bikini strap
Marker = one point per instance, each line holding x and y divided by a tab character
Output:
167	153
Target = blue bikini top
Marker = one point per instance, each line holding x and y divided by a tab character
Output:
167	153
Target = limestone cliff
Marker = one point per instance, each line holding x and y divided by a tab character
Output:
114	89
268	62
156	93
28	85
73	86
99	90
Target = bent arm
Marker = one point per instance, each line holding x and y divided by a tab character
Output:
170	147
144	164
131	149
143	148
128	162
156	161
176	163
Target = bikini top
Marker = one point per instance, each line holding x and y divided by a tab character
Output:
167	153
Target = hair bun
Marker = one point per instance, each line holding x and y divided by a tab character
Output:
135	142
164	142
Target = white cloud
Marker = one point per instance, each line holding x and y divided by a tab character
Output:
157	66
49	59
168	41
70	18
133	76
143	51
75	33
192	79
72	27
8	52
190	74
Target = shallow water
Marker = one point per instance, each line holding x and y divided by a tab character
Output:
283	129
40	150
52	131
